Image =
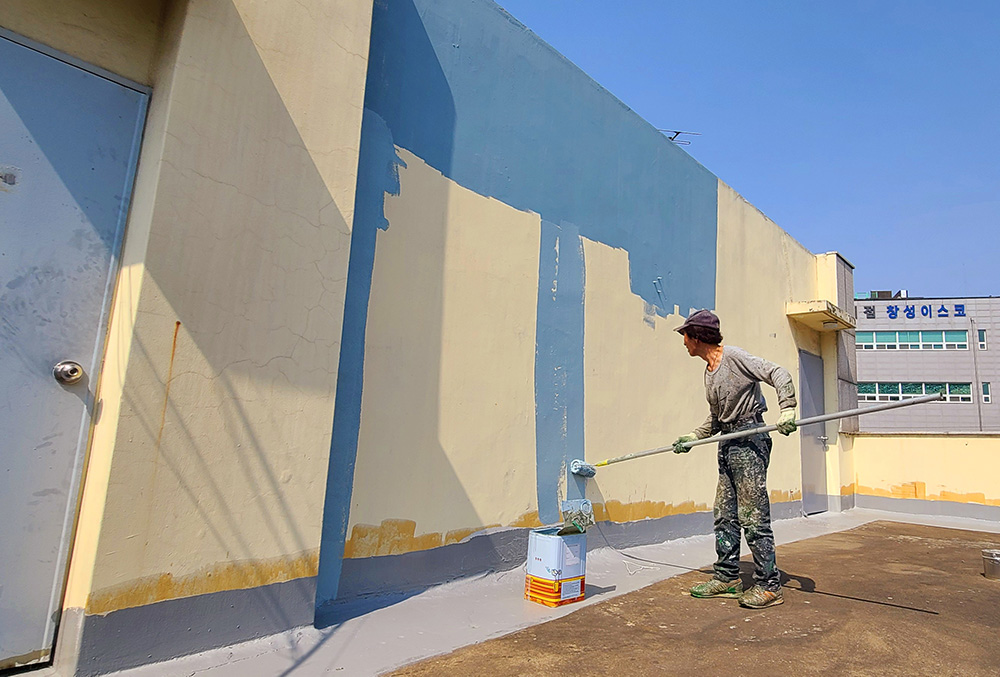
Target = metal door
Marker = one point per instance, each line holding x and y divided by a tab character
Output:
812	437
69	141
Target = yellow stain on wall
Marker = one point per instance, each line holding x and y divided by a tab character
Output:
918	490
398	536
391	537
227	576
528	520
781	496
616	511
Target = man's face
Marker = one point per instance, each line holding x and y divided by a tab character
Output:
689	343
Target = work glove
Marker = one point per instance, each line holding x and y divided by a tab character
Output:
679	447
786	422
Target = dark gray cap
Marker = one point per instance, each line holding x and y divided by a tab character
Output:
700	318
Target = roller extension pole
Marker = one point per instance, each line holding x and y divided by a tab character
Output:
578	467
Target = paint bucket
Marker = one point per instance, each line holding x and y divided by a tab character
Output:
991	564
557	567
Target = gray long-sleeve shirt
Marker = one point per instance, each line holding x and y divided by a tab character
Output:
733	389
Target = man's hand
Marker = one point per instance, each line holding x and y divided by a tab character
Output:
786	422
679	447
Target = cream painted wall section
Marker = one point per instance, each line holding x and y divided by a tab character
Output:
641	391
933	467
226	329
759	268
121	36
447	437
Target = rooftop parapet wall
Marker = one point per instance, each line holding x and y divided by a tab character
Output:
520	205
940	474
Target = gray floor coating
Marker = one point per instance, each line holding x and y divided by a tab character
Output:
470	611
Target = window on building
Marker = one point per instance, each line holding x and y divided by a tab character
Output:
986	393
908	340
892	392
956	340
959	392
982	339
866	392
913	340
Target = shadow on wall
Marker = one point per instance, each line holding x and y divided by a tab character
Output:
479	98
416	324
233	363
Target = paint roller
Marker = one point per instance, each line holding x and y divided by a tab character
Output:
583	469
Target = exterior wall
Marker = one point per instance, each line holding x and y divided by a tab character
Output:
206	470
449	390
936	474
523	248
751	304
934	366
121	36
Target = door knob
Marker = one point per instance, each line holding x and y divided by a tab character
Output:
822	438
67	372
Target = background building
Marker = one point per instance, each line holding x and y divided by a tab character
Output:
912	346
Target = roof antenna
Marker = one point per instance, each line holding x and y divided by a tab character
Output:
672	134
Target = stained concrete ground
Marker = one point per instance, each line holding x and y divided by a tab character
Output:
882	599
866	593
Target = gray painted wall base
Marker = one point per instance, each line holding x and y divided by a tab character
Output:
398	575
165	630
918	506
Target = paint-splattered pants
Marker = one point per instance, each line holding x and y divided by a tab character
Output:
741	501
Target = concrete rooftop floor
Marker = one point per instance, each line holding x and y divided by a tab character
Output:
876	600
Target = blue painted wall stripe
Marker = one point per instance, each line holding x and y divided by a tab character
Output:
377	175
558	364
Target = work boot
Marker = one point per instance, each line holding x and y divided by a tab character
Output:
759	598
717	588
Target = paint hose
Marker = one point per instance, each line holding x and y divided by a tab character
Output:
583	469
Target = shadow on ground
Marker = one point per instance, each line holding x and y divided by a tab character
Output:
883	599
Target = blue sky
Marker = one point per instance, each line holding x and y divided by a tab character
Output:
869	128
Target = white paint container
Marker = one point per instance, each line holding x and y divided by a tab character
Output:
556	557
991	564
557	567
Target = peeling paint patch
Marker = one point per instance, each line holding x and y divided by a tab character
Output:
9	177
217	578
918	490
